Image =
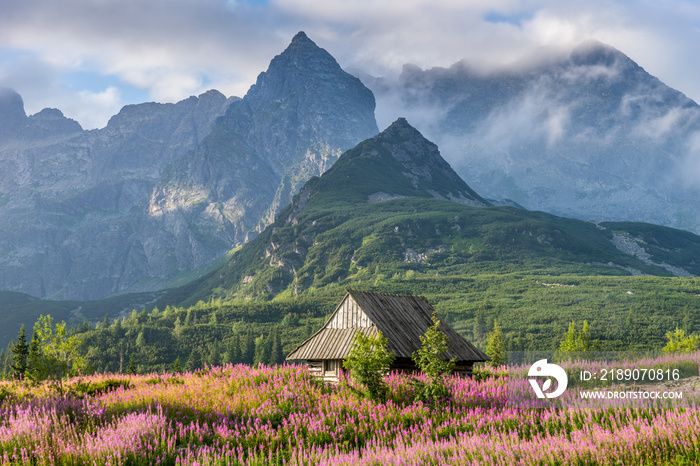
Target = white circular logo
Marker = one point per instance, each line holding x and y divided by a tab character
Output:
543	369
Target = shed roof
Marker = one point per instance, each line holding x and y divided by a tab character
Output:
402	319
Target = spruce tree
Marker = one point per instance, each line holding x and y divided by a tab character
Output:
176	366
214	358
577	341
177	327
195	360
35	367
20	353
140	340
479	324
236	356
249	353
276	356
496	346
233	353
260	355
131	369
309	330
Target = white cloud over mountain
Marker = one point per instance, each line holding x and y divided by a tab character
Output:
166	51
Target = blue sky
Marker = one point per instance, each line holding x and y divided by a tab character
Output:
91	57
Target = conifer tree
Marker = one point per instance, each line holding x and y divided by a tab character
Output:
276	354
176	366
249	353
262	354
131	369
214	358
177	329
195	360
140	340
20	353
83	327
575	340
496	346
34	368
479	324
233	353
236	356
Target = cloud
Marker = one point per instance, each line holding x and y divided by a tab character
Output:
169	49
92	107
689	168
176	48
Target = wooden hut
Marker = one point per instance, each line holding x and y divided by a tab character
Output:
402	320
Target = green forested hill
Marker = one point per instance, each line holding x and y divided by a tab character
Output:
534	310
17	309
358	243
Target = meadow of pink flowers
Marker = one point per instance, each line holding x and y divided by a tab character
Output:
237	415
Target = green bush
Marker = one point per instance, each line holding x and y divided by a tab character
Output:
93	388
368	361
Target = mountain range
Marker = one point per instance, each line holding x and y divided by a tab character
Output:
164	191
392	205
589	134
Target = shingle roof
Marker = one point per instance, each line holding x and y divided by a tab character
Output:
402	319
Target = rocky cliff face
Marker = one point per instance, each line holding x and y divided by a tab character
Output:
291	125
166	188
590	135
72	201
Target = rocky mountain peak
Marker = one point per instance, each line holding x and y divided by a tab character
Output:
300	62
11	109
398	162
401	128
302	40
50	122
407	145
592	52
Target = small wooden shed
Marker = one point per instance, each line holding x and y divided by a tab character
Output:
402	319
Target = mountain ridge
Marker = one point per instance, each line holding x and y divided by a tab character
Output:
587	135
164	189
